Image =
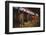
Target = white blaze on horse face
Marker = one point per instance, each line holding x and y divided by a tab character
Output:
27	11
30	12
22	9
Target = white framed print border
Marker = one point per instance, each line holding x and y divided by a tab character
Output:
24	6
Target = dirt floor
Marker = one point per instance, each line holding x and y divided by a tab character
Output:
29	24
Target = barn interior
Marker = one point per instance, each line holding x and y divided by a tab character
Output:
26	17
